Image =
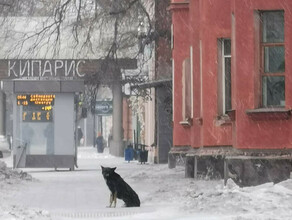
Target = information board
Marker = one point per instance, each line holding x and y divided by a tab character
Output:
36	107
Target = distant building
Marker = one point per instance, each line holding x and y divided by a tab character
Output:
232	85
158	110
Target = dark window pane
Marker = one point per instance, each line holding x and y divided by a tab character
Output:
227	47
273	26
273	91
227	83
274	59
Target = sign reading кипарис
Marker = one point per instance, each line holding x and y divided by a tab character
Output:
57	68
12	69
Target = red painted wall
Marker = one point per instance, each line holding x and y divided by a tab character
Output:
181	135
200	23
265	133
215	24
196	136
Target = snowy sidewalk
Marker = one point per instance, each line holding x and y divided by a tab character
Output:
75	194
164	193
83	194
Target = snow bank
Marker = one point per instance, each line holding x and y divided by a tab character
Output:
9	180
266	201
175	197
9	176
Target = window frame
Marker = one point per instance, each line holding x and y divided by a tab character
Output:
224	57
262	47
222	105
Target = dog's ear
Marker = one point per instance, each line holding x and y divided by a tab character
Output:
114	168
102	167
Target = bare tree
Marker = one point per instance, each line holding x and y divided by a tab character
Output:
95	29
108	30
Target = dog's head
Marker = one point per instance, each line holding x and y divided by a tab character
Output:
107	171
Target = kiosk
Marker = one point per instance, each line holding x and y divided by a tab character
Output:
44	122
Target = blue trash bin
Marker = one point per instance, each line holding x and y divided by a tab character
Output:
129	154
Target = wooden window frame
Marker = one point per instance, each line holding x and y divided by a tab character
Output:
263	45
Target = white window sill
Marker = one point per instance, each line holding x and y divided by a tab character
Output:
187	122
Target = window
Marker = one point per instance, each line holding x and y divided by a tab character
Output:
272	48
224	76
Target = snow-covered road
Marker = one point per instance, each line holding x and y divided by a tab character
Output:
164	194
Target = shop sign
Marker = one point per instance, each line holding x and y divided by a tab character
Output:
55	68
39	68
104	107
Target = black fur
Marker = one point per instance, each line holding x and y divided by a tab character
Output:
119	188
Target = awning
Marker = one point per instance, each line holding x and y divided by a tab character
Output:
152	84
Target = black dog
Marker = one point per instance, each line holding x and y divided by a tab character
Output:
119	188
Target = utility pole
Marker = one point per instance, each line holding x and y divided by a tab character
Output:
117	145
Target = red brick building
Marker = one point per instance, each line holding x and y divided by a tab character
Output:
232	81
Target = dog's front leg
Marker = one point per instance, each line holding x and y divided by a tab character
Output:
111	200
115	199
